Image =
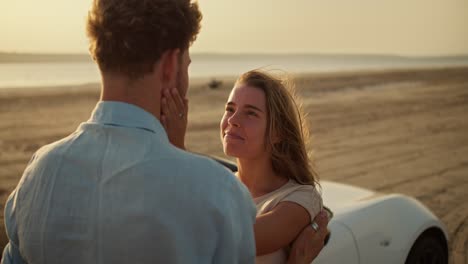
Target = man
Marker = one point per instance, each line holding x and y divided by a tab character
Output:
116	190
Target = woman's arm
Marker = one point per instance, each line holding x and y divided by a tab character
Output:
279	227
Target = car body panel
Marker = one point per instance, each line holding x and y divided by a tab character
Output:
337	195
384	227
340	248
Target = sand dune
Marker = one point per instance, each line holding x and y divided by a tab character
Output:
390	131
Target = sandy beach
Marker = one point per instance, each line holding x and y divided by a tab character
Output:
403	131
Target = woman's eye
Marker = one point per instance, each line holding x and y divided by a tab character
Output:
229	109
251	113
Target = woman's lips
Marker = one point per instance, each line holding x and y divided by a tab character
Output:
232	135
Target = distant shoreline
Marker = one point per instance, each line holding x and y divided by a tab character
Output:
197	81
41	58
205	79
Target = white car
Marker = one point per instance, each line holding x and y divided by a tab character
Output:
369	227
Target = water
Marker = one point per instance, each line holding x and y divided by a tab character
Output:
35	74
47	74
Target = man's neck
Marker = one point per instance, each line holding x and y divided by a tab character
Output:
144	92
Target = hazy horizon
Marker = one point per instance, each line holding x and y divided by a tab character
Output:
35	70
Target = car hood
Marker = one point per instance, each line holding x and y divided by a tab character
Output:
338	195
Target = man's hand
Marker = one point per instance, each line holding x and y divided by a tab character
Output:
309	243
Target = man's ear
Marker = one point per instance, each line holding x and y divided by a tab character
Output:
170	67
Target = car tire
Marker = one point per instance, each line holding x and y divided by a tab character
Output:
427	249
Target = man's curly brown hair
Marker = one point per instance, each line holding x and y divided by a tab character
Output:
129	36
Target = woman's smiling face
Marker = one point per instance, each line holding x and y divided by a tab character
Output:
244	123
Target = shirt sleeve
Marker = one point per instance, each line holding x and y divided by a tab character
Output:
308	197
11	254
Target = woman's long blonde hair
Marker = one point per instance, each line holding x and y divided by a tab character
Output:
287	132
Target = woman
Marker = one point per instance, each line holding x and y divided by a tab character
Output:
262	128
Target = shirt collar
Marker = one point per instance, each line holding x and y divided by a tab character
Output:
125	115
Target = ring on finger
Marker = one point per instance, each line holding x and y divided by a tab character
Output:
315	226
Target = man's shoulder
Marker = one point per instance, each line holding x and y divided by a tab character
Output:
218	183
196	166
55	147
194	169
202	162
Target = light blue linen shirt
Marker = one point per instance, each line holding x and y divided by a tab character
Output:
117	191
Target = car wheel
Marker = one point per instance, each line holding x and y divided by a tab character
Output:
427	249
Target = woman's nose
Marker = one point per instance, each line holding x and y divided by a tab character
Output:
233	120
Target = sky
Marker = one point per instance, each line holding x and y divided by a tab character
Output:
398	27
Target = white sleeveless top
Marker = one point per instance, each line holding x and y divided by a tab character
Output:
306	196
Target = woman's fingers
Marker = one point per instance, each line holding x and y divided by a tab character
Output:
174	116
170	104
186	102
322	221
164	107
178	100
164	121
173	103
